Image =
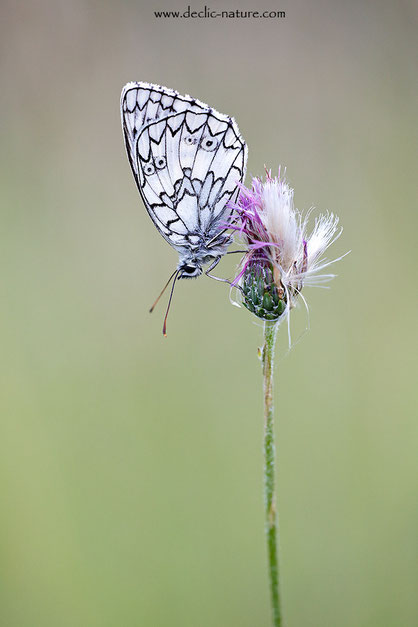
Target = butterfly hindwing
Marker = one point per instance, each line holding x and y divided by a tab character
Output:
188	168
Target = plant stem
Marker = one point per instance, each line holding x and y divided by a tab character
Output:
270	329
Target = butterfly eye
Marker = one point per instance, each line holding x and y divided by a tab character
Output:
189	140
209	143
149	169
160	162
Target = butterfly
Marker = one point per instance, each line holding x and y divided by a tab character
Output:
187	160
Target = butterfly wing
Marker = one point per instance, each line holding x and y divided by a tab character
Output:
186	159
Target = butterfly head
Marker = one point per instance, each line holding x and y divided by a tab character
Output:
190	270
191	262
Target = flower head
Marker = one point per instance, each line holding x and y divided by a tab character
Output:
281	256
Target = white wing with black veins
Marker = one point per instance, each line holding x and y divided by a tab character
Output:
187	160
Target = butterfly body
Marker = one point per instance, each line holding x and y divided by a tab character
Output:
187	160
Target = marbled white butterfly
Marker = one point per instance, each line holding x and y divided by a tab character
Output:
186	159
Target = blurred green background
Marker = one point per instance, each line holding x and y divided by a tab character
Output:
130	465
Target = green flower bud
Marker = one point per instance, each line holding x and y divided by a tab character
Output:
261	295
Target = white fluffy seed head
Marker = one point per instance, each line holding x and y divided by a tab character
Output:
281	221
299	256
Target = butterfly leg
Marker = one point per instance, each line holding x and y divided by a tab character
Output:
217	278
211	267
217	260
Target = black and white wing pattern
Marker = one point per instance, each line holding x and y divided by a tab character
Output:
186	159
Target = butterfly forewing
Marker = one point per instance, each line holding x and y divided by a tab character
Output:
142	103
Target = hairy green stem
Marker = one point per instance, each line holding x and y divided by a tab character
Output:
270	329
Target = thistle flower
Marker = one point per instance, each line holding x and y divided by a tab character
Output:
281	256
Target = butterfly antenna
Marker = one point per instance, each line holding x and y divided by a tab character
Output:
169	302
162	291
